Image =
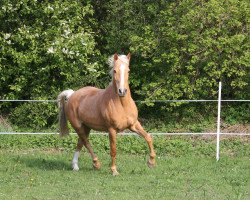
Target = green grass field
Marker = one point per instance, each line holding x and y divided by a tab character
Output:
46	174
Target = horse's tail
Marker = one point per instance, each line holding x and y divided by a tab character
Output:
61	99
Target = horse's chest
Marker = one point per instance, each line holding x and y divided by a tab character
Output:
122	122
122	118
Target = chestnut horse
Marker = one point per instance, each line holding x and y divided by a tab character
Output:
111	110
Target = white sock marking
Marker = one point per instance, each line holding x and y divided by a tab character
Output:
75	161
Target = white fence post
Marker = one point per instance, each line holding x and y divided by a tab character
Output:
218	125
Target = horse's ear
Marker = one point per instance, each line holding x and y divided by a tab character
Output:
129	56
115	56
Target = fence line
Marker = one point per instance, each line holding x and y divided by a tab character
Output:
124	133
218	132
218	125
25	100
138	101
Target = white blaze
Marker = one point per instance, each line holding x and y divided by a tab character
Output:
122	74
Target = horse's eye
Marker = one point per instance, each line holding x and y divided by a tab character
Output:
114	71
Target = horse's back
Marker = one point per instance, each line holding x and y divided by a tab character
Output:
84	107
83	93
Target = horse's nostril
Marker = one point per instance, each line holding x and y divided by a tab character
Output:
122	92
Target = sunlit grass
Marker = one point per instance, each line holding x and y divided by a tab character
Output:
42	174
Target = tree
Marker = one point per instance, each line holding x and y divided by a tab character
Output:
46	47
181	49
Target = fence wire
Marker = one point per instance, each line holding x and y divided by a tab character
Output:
217	134
138	101
124	133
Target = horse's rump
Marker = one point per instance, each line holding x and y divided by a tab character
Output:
84	108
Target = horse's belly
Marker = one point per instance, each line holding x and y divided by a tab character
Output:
93	120
94	126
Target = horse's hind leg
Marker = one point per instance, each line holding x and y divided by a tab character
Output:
79	146
83	134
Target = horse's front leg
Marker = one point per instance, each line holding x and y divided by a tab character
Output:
112	140
139	129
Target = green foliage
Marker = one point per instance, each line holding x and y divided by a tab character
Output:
235	113
46	47
35	116
180	50
165	146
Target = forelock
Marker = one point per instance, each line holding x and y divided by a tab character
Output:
124	59
111	62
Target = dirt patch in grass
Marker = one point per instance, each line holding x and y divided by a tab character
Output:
237	128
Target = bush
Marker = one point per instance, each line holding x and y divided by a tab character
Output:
234	113
35	117
46	47
180	50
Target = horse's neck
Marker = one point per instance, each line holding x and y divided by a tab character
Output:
125	101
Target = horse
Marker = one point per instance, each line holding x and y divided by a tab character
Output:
111	110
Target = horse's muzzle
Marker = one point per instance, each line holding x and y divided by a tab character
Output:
122	92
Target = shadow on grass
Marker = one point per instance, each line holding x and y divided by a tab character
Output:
52	163
47	164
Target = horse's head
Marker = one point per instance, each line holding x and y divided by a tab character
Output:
121	73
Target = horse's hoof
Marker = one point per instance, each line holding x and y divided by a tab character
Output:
75	167
151	164
97	165
115	173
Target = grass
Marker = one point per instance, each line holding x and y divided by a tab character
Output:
46	174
